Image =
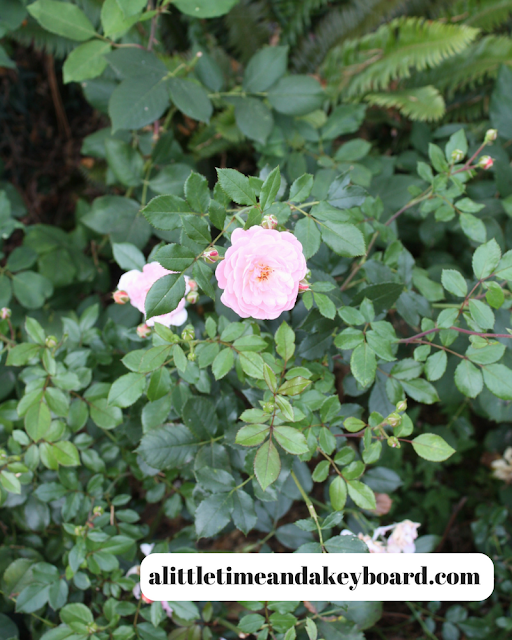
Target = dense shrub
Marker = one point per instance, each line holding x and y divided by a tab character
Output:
312	335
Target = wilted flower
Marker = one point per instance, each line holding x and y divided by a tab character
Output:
261	272
136	284
503	466
401	538
384	504
135	570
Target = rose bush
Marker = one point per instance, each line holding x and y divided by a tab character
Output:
323	361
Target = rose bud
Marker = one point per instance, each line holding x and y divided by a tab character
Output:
192	297
121	297
457	155
269	222
485	162
5	313
211	256
491	135
143	330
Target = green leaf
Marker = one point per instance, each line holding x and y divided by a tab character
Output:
294	386
361	494
191	99
197	192
435	366
76	612
344	239
128	256
66	454
62	18
325	305
252	435
296	95
363	364
175	257
383	296
265	68
236	186
473	227
205	8
495	296
166	212
197	229
270	188
498	379
180	359
267	464
138	101
167	447
254	119
486	258
223	363
338	493
454	282
343	195
21	354
146	360
457	141
115	20
285	341
420	390
125	162
127	389
10	482
292	440
31	289
432	447
37	421
499	108
482	314
301	188
213	514
244	514
200	417
252	364
308	234
468	379
165	295
86	61
104	415
33	597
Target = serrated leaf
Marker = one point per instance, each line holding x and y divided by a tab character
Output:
432	447
267	464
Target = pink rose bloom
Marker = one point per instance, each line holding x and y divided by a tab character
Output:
260	273
137	284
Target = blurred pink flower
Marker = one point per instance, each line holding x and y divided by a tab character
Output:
260	273
136	284
135	570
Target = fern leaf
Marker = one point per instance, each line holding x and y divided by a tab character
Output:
424	104
480	61
373	62
248	28
484	14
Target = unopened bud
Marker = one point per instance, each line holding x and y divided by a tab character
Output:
51	341
268	407
192	356
402	405
304	285
121	297
5	313
269	222
192	285
98	511
394	419
92	628
485	162
3	453
491	135
192	297
457	155
79	531
199	54
211	256
188	333
393	442
143	330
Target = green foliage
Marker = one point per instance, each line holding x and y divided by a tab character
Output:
392	373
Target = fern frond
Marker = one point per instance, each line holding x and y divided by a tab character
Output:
484	14
32	34
248	28
480	61
424	104
349	21
374	61
295	16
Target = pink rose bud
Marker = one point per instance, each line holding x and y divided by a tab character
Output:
394	419
211	256
304	285
192	285
457	155
5	313
269	222
485	162
143	330
393	442
491	136
192	297
121	297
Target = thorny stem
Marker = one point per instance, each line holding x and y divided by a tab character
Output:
467	331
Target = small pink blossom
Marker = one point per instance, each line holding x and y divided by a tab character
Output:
136	284
143	330
5	313
485	162
269	222
121	297
212	255
260	273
